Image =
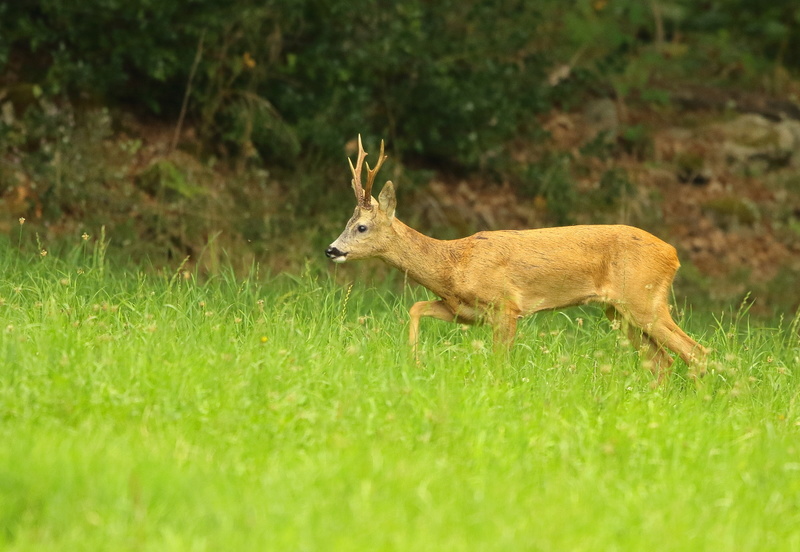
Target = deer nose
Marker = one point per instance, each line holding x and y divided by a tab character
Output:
332	253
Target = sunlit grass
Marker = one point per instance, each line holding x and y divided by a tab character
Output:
156	412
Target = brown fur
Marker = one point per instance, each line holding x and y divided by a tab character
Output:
499	277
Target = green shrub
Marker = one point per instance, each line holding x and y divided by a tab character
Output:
108	48
446	80
766	28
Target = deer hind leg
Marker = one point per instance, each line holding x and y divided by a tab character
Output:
665	331
434	309
656	322
653	354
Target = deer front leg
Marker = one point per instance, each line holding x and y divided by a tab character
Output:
434	309
504	327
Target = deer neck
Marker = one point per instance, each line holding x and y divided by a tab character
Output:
427	260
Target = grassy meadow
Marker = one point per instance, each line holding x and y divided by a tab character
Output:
147	411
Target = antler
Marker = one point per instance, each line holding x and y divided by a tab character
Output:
356	182
371	175
364	195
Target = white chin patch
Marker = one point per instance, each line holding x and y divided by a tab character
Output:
339	259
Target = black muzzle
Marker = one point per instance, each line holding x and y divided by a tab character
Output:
333	253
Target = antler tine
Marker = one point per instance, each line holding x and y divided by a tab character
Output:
356	182
371	174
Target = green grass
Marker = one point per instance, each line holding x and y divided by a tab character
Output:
147	412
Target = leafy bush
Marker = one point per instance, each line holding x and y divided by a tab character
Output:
447	79
767	28
444	80
120	50
49	153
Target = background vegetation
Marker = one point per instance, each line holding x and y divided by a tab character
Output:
281	75
190	122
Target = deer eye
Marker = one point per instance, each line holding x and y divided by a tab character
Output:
361	228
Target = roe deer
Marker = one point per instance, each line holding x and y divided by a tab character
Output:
500	276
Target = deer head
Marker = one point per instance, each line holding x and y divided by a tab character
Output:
369	230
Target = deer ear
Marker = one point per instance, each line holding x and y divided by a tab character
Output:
387	200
